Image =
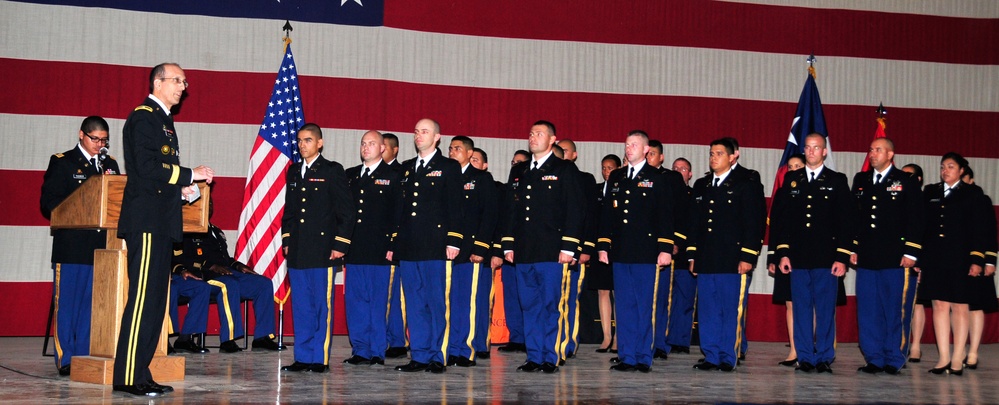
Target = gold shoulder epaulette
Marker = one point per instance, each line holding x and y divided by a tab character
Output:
144	107
59	155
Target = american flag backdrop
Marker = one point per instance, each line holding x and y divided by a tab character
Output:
686	72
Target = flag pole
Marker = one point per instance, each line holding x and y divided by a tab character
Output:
287	41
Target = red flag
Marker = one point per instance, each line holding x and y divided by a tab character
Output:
878	133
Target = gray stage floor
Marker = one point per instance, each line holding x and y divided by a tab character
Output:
248	377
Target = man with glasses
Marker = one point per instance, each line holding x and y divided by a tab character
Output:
73	250
151	222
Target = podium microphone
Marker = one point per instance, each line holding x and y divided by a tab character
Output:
103	153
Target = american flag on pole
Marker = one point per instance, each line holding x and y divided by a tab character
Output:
259	241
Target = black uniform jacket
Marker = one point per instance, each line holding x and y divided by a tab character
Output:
681	211
431	210
591	221
319	214
956	234
376	200
479	214
637	220
726	222
813	219
547	210
152	199
200	251
889	220
66	172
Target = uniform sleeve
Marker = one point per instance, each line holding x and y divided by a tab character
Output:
144	132
607	217
664	228
989	233
54	187
291	206
754	203
452	200
845	211
482	242
681	208
575	210
510	209
343	207
779	246
694	231
980	222
915	223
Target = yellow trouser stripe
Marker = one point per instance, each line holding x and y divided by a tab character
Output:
402	307
655	297
562	311
579	286
447	307
388	304
669	299
329	313
905	289
140	298
55	313
471	310
225	306
738	328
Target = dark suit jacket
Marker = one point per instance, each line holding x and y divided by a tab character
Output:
726	222
66	172
430	210
547	211
376	199
152	199
479	212
889	220
637	220
200	251
319	214
810	224
956	234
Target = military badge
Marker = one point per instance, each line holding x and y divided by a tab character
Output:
165	150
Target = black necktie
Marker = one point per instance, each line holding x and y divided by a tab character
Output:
535	165
813	177
947	190
366	172
716	181
631	173
877	179
419	168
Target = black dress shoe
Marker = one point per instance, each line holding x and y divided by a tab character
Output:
395	352
615	360
871	369
64	370
914	360
938	370
357	360
463	362
805	367
376	361
603	350
189	346
949	371
823	367
680	349
266	343
613	351
969	366
412	366
705	366
548	368
436	367
742	356
482	355
788	363
319	368
645	368
529	367
561	362
141	390
296	366
892	370
164	388
623	367
728	368
513	348
451	360
660	354
229	346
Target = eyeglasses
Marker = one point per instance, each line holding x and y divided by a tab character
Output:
176	80
95	139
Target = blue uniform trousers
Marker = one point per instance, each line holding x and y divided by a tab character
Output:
635	290
571	324
540	288
72	288
813	292
681	309
912	279
465	308
720	299
511	304
880	299
396	330
198	294
743	340
664	305
312	312
484	311
238	286
365	296
427	308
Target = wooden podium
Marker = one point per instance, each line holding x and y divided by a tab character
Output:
97	205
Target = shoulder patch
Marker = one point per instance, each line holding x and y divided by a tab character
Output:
59	155
144	107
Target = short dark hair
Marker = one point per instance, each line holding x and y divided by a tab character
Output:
683	159
613	158
469	144
551	127
158	72
523	153
93	123
558	151
799	156
391	138
734	142
962	163
726	142
654	144
916	171
485	157
311	127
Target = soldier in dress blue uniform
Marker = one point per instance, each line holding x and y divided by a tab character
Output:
184	284
316	226
427	238
512	309
813	209
398	340
543	235
73	250
471	275
681	303
151	222
375	188
636	233
886	241
484	319
724	243
577	275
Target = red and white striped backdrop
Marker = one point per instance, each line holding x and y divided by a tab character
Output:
686	72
